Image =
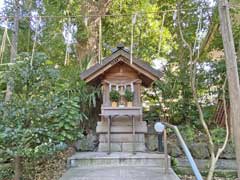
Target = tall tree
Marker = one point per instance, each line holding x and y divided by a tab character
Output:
10	86
89	46
14	45
232	72
15	32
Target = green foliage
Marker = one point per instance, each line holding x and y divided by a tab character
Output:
189	133
6	173
146	30
114	96
43	113
173	96
129	95
218	135
174	162
50	103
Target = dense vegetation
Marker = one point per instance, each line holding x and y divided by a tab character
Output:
50	107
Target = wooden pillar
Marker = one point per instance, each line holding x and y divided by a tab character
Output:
106	101
232	73
109	134
133	134
137	93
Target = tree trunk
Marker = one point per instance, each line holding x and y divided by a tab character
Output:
232	73
15	33
238	52
211	169
14	46
90	46
10	85
17	168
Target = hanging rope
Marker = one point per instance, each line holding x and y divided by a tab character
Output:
69	34
100	41
134	18
118	15
66	59
33	51
37	26
3	45
67	49
161	32
35	39
117	85
85	20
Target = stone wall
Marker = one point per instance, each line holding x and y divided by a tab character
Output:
226	167
198	150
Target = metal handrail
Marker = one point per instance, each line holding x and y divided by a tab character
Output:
186	151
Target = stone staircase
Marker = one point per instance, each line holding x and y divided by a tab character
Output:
118	166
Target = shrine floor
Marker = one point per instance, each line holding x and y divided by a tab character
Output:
117	166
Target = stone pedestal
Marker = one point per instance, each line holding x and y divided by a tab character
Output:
121	135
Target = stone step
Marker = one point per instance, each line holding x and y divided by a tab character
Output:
119	173
101	159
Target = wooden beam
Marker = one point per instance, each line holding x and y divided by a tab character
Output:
232	73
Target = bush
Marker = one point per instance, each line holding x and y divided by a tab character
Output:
45	111
6	172
114	96
129	95
188	133
218	135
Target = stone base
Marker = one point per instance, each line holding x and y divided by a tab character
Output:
140	128
121	125
121	135
118	138
122	142
122	147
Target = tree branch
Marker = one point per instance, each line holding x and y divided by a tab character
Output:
220	150
193	80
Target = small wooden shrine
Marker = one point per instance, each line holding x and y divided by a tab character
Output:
121	127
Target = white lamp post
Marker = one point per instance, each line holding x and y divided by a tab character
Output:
159	128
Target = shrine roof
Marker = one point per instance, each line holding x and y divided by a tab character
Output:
121	54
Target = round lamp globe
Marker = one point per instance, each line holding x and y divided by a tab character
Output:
159	127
